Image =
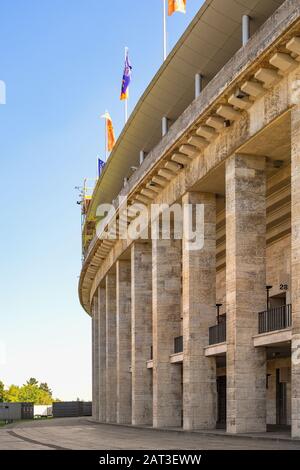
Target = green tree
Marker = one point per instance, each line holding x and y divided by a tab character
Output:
32	381
12	394
30	392
45	387
2	392
33	394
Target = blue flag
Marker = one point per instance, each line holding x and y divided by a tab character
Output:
126	78
101	165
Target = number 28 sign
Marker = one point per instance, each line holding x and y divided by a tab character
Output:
284	287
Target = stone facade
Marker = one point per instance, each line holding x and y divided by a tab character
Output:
239	157
295	189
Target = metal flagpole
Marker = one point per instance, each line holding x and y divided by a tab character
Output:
126	110
165	28
105	138
126	100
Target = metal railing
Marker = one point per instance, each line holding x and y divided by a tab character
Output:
278	318
178	345
217	333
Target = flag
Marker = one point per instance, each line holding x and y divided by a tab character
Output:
126	79
101	165
110	133
176	5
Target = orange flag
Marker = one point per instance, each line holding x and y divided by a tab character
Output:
176	5
110	133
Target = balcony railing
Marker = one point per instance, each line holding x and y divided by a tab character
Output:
178	345
217	333
278	318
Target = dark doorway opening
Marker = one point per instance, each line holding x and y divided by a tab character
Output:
278	300
281	401
181	379
221	392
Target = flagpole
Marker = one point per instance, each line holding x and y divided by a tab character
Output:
165	28
105	138
126	111
126	100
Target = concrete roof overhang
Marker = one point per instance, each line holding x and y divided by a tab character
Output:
208	43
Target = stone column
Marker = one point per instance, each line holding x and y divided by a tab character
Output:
199	313
141	314
167	388
123	342
245	292
93	366
111	349
295	189
102	353
95	359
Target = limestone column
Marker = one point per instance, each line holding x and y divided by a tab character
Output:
141	314
199	313
245	292
111	349
167	388
295	268
123	342
102	352
93	367
95	359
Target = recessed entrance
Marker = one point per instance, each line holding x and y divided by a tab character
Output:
221	410
279	387
281	400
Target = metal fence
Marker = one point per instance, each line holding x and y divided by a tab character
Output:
72	409
278	318
217	333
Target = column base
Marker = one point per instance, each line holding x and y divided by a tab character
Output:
246	426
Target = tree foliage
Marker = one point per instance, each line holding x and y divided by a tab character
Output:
32	381
31	392
1	392
44	386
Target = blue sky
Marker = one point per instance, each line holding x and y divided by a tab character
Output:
62	63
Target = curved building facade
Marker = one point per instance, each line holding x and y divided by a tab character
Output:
204	336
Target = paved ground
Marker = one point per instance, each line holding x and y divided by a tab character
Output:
80	433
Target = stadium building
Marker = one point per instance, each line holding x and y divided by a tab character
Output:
208	338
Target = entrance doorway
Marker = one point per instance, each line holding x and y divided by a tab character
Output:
181	380
281	401
221	393
278	300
